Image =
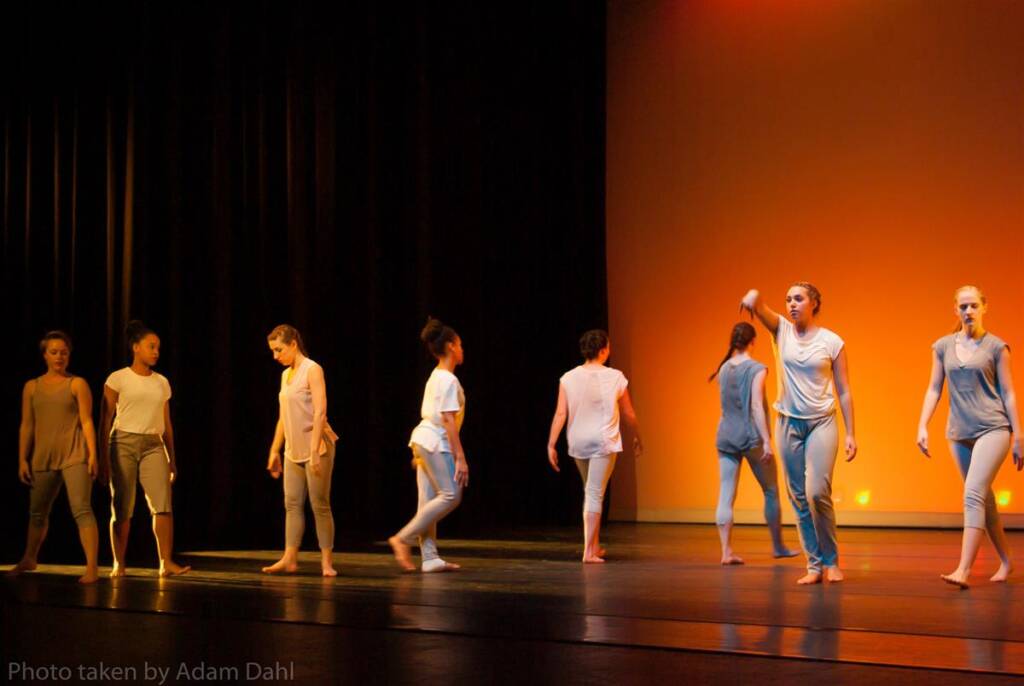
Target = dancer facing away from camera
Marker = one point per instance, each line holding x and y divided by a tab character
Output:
441	468
743	433
592	397
57	445
309	449
137	442
814	378
982	414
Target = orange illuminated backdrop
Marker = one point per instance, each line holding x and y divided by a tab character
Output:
873	148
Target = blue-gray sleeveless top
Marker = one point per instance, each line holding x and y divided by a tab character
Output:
975	404
737	432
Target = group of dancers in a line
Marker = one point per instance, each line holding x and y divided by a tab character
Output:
57	439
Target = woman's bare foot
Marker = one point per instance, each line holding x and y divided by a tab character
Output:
593	560
957	578
731	559
286	565
91	576
172	568
23	566
785	552
328	570
809	578
402	554
116	571
1004	571
834	575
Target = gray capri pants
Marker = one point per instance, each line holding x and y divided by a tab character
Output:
138	458
595	473
979	460
46	486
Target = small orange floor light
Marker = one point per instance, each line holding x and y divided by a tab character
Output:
863	497
1003	498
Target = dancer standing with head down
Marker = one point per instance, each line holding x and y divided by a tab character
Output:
743	432
137	442
309	450
813	375
57	445
982	413
591	397
441	468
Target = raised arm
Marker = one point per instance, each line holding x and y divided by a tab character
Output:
931	399
627	413
1010	403
169	440
318	390
25	432
557	424
107	411
753	303
759	403
841	377
80	389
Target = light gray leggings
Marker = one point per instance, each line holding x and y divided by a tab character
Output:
46	486
979	461
438	495
298	479
729	470
808	449
595	473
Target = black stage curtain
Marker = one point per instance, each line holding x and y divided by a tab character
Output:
217	169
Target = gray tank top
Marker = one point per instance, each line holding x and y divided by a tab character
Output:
975	404
737	432
57	442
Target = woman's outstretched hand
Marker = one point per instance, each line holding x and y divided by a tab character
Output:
749	300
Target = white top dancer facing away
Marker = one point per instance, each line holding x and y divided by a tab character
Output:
982	413
813	373
591	397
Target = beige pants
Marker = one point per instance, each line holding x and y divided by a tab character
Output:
138	458
979	461
46	486
298	480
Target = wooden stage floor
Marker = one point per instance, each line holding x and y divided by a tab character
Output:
523	610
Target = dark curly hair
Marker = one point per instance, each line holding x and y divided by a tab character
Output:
593	342
436	336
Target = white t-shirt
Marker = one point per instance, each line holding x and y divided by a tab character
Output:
805	384
593	398
140	401
443	393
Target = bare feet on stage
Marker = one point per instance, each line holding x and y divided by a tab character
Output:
601	552
730	559
23	566
834	575
328	571
285	565
327	563
957	578
1004	571
171	568
593	560
785	552
809	578
117	571
91	576
402	554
